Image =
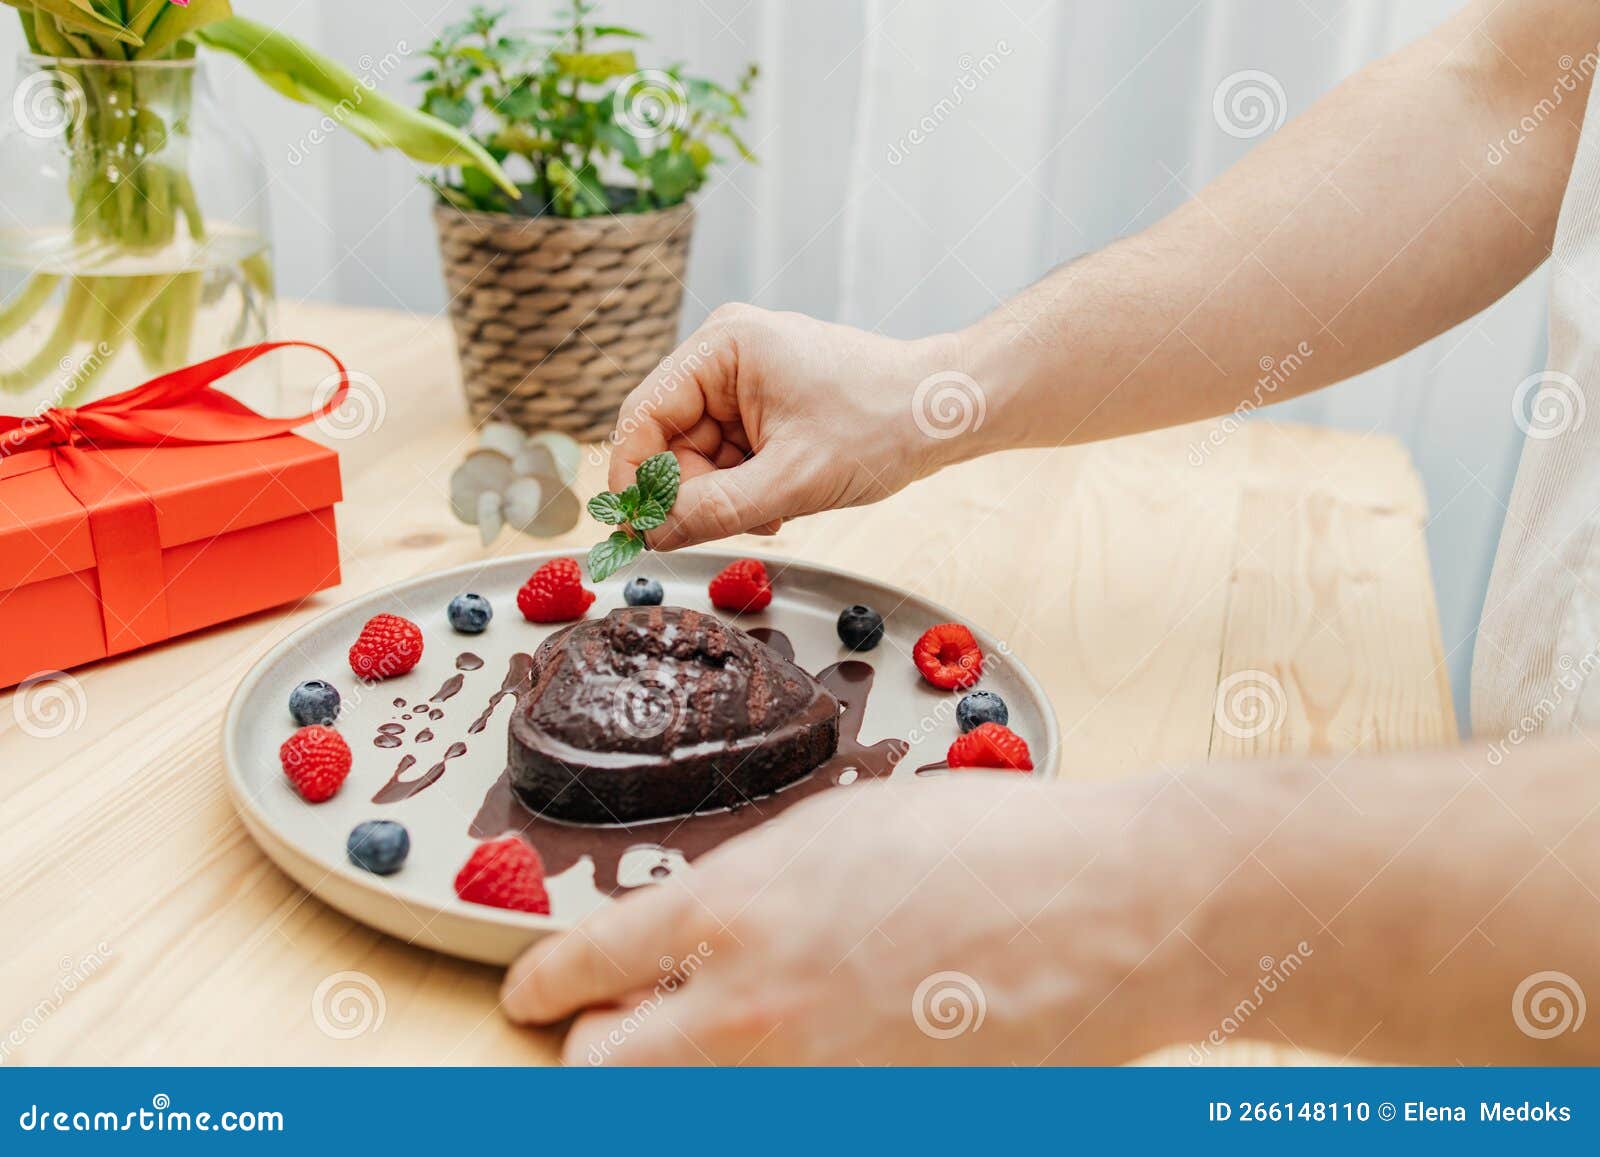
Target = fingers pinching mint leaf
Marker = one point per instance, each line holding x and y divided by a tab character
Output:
613	554
641	507
658	479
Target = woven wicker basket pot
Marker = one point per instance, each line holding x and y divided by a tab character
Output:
557	319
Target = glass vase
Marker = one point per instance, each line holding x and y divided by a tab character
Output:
134	238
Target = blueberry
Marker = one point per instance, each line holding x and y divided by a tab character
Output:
860	628
643	592
981	707
470	614
379	846
314	702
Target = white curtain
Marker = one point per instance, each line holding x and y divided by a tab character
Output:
921	161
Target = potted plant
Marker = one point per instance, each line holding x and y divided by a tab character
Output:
567	292
135	235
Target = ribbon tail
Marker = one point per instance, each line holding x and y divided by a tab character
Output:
184	406
126	537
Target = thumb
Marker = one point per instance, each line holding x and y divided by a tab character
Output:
723	503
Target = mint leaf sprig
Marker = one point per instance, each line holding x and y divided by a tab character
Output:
641	507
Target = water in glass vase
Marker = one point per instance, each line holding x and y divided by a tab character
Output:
79	321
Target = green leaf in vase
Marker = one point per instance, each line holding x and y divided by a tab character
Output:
307	76
81	16
172	24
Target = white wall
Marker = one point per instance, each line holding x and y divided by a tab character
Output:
1097	119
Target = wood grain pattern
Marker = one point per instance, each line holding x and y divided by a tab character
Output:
1150	571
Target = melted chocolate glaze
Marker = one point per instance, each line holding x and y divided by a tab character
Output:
398	789
775	639
514	684
561	845
405	765
390	735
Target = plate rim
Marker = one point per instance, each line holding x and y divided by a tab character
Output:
251	815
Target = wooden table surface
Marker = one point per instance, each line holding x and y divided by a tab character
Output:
144	926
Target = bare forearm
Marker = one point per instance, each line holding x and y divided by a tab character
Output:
1359	230
1404	906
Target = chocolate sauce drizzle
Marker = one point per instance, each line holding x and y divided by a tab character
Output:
398	789
514	684
775	639
561	845
390	735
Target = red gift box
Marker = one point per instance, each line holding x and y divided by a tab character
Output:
155	512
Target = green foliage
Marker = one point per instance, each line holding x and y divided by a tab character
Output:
616	552
641	507
311	78
160	30
130	192
575	119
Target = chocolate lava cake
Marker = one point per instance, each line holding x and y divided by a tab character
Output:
662	711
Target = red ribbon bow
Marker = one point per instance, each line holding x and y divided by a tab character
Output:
180	408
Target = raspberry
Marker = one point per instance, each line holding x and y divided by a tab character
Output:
990	745
504	873
742	586
388	645
554	593
948	656
315	759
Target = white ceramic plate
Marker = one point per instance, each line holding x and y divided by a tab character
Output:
418	903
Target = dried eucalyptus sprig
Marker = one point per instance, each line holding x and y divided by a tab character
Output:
517	481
